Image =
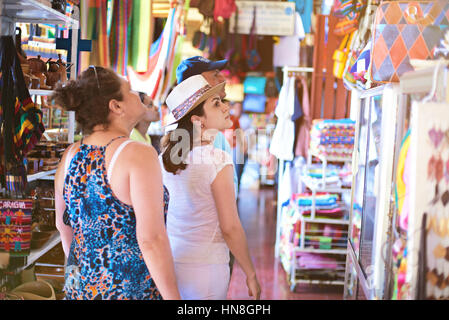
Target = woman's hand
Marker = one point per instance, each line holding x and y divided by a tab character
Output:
253	287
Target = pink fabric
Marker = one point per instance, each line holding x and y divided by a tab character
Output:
303	138
315	261
224	8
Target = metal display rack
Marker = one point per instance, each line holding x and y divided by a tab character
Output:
285	249
32	11
296	273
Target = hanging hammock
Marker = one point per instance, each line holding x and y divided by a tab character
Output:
150	81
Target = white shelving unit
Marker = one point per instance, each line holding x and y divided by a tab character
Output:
32	11
40	92
41	175
289	251
35	254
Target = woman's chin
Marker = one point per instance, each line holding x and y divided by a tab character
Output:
228	124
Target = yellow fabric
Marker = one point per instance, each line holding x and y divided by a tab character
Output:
400	185
137	136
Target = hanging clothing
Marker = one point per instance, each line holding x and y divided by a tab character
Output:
105	261
161	52
304	124
297	113
98	32
283	138
21	121
140	36
224	9
402	179
305	9
119	36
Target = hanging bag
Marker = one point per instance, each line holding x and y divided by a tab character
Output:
347	9
359	45
15	225
405	31
340	55
253	58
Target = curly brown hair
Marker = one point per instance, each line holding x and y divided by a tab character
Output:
89	96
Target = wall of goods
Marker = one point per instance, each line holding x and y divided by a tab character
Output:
34	136
320	84
354	223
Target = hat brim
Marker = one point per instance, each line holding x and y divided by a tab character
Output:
218	65
212	91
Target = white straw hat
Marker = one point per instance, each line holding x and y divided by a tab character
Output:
189	94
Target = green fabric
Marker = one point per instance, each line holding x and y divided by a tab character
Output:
137	136
140	35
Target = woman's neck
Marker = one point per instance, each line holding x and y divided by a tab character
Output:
142	127
111	130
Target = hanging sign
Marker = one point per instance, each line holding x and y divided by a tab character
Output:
273	18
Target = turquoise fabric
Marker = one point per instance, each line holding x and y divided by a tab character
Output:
221	143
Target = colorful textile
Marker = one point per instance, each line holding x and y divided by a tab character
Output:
332	138
140	39
403	171
305	9
405	30
316	261
322	199
119	36
105	261
15	225
152	80
21	121
98	31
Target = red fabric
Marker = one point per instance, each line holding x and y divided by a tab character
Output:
303	138
230	133
224	8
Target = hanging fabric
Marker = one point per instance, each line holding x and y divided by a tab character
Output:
21	121
284	134
160	53
224	9
305	122
119	36
98	32
252	56
140	40
305	9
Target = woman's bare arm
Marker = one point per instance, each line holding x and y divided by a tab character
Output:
232	230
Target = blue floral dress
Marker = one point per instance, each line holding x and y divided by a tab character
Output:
105	261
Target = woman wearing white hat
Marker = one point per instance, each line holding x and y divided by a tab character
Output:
202	219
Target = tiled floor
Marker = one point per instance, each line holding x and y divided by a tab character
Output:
257	210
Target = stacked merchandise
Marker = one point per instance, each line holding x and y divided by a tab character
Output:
312	258
332	139
335	176
326	204
45	157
